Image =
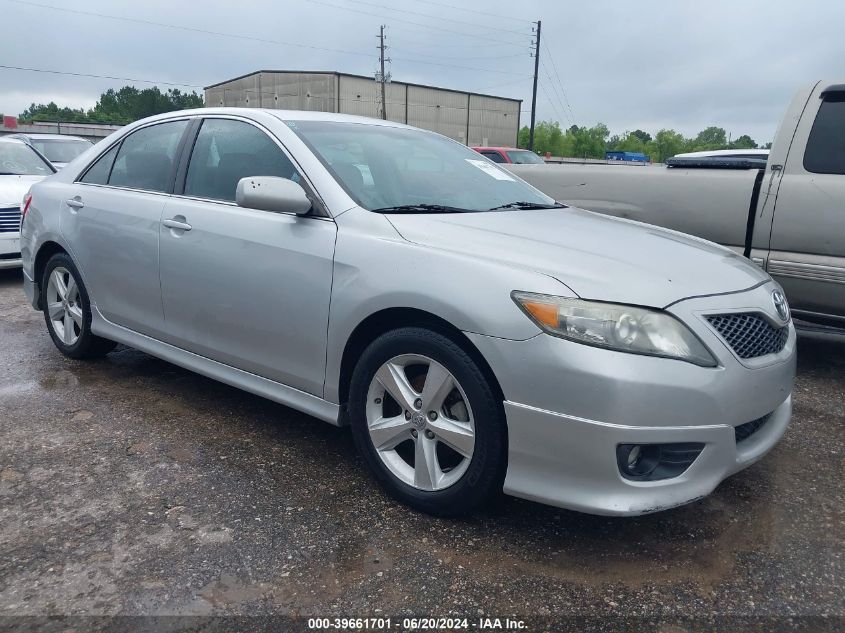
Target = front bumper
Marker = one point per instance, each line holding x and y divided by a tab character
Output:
569	405
10	263
10	251
577	469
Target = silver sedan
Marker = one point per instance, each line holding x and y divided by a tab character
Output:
476	335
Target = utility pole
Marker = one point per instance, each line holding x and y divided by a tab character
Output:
381	49
534	93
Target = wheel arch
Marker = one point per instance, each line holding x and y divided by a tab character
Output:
389	319
45	252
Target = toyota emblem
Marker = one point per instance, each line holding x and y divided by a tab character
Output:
781	306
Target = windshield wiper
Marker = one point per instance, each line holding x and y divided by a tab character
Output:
528	206
421	208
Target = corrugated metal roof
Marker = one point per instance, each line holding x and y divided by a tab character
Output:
340	74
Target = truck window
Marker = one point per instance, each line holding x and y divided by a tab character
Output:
825	152
496	157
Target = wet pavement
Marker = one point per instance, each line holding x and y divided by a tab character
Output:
131	486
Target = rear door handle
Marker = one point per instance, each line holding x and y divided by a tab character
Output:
75	203
177	225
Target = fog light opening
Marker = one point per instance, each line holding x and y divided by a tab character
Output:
651	462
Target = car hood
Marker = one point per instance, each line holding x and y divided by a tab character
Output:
13	189
597	256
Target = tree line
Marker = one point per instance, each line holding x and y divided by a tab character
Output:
593	142
117	107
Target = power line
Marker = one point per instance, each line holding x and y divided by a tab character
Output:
74	74
556	93
234	35
495	15
498	40
435	17
417	53
484	70
185	28
509	83
560	83
413	36
552	103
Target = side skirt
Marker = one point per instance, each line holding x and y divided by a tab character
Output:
277	392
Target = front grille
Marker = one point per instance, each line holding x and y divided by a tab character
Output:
10	220
749	334
744	431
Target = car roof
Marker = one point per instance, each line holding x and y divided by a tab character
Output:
495	148
51	137
282	115
6	139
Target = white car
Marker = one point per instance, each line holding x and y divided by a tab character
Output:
59	149
20	167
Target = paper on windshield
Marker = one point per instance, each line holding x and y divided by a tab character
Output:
489	169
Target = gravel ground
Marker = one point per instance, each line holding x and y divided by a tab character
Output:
129	486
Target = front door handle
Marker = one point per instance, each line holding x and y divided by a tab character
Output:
75	203
175	224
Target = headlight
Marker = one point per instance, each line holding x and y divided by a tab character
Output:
613	326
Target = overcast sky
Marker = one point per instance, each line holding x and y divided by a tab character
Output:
647	64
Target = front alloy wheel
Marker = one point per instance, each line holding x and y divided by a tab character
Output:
428	421
420	422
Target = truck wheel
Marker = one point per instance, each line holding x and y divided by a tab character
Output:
427	422
67	311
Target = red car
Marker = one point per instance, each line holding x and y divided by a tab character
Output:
509	155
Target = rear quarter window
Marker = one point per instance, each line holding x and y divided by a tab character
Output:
825	153
98	173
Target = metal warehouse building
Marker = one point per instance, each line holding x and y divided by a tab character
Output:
468	117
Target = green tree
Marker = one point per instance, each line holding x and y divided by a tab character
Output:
633	142
548	137
744	142
711	138
52	112
130	104
118	106
666	144
588	142
645	137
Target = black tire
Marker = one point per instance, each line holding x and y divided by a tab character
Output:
87	345
485	474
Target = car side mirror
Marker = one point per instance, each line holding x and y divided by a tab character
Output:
271	193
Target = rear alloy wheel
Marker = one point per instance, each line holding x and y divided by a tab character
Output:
64	310
427	422
67	311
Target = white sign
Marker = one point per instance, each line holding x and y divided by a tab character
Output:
490	170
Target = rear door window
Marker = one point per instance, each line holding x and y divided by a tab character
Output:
825	153
147	158
226	151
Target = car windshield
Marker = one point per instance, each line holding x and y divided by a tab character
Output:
524	157
59	150
394	169
18	159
